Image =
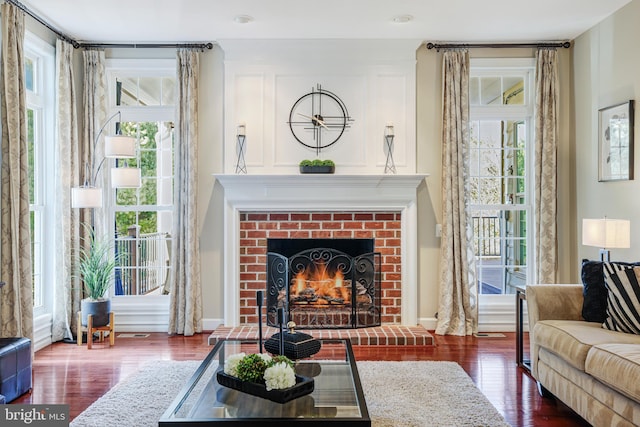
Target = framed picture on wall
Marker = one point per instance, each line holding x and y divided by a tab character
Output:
615	142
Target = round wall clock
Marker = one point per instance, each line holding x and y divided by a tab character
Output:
318	119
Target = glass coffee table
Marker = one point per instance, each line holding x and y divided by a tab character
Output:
337	398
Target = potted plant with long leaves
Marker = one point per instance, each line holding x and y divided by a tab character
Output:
317	166
96	265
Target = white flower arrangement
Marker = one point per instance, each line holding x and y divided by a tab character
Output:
279	376
275	372
231	364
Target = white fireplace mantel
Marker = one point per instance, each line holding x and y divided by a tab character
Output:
318	192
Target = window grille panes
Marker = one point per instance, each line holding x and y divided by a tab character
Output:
144	216
35	218
500	244
497	153
145	91
497	90
39	76
29	74
500	140
514	91
490	90
31	154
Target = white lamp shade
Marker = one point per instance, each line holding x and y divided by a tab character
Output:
606	233
126	177
86	197
119	146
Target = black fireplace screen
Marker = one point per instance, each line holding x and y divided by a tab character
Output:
324	288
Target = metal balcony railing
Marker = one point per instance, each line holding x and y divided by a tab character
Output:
144	263
487	232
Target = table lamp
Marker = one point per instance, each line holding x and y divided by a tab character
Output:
606	233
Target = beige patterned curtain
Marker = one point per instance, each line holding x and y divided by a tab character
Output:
16	307
185	309
546	141
95	114
68	293
457	313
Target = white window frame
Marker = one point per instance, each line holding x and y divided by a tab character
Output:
42	101
510	67
122	68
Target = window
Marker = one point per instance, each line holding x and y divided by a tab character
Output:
501	140
143	217
39	78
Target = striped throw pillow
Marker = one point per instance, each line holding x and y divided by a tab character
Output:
623	298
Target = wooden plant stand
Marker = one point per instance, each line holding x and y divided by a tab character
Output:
90	329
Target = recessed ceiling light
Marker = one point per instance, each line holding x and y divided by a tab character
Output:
243	19
401	19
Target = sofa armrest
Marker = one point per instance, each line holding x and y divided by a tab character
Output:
551	302
554	302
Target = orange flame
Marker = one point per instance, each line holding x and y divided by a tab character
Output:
320	285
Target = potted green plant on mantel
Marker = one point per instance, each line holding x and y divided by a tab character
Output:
317	166
96	265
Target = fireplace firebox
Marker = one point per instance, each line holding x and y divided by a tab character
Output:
324	283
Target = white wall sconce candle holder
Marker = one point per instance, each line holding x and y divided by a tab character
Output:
389	134
241	138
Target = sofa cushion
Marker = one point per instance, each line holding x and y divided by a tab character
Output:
623	298
594	308
618	366
571	340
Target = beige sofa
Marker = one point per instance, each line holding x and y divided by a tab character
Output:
593	370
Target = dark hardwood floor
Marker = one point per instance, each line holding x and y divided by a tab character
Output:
73	375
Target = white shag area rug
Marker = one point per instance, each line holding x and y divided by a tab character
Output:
398	394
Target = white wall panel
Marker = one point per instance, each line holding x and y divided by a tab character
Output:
375	81
392	100
246	104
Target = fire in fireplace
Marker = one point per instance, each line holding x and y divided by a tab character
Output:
324	283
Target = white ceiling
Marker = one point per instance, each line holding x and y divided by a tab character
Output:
175	21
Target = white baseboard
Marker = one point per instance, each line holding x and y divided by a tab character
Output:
211	324
150	314
497	314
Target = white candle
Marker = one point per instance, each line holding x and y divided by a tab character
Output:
388	130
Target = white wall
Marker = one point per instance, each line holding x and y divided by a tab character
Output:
606	63
374	78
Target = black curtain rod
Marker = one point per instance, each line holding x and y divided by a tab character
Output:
57	32
437	46
202	46
78	45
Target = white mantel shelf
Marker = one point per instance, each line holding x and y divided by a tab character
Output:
321	192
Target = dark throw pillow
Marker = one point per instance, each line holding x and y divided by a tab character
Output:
623	300
594	308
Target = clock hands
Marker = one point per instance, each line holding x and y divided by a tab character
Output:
315	119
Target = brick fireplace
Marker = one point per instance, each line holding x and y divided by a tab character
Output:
383	227
379	207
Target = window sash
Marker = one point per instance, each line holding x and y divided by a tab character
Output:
134	276
512	219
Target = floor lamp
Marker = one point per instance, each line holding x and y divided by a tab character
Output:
118	146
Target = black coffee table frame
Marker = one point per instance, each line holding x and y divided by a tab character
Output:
337	400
